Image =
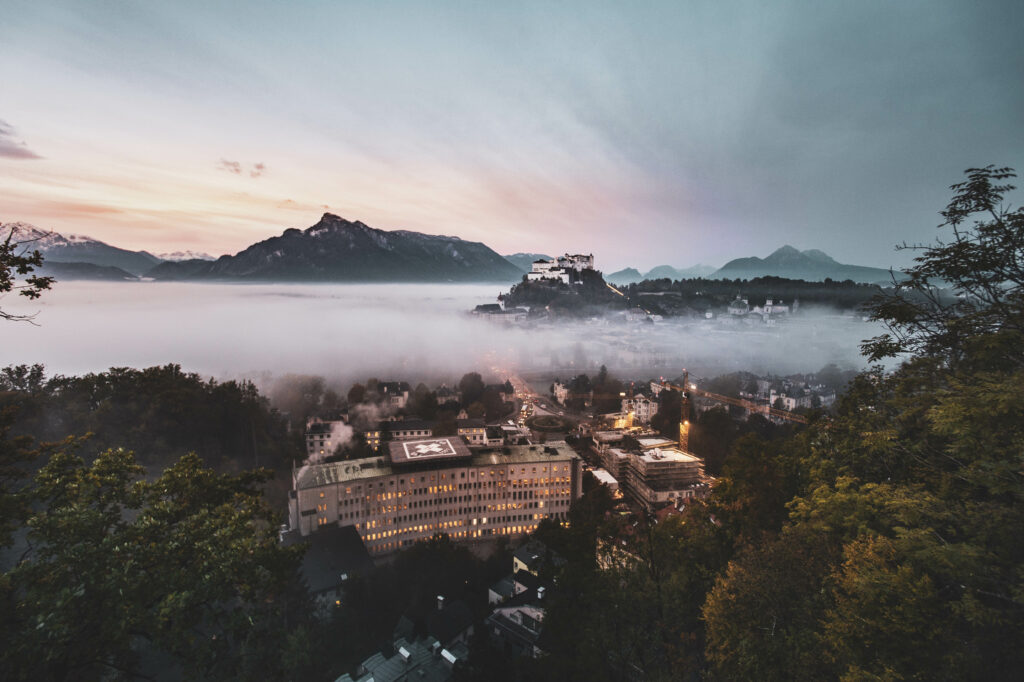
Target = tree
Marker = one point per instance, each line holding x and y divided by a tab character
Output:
356	394
670	406
471	385
16	261
494	406
423	403
121	569
983	266
762	615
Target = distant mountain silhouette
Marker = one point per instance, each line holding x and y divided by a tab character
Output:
71	271
810	265
630	275
625	276
178	256
524	261
75	248
667	271
338	250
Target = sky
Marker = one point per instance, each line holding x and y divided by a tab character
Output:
646	133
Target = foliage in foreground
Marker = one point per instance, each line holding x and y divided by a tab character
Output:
125	577
881	544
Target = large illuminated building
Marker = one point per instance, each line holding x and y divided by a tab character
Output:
438	485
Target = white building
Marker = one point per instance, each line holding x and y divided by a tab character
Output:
606	479
577	262
547	269
324	437
438	486
561	268
560	391
661	475
641	407
394	393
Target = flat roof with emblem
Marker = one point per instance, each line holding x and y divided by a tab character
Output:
429	450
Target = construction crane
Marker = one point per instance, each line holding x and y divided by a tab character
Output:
684	420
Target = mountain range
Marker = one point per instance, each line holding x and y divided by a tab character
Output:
177	256
811	265
79	249
631	275
524	261
338	250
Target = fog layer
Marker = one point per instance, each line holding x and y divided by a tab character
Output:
406	331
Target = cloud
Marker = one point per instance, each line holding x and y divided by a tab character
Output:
230	166
12	148
235	168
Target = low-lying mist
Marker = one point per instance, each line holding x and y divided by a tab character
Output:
402	331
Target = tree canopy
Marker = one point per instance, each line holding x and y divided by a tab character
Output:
881	543
18	262
186	567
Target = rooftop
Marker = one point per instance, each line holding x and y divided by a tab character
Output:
410	425
608	436
659	455
315	475
411	451
334	554
648	443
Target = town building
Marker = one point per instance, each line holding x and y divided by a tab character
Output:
516	629
739	307
323	437
664	475
447	395
576	261
373	435
409	429
423	487
473	430
334	554
565	268
607	480
394	393
640	407
659	473
412	659
547	270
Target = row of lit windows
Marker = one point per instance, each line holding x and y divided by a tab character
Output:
446	488
519	529
419	504
416	504
461	511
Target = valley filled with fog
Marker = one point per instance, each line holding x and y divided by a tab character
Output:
348	332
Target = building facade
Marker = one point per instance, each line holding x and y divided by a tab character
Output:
664	475
641	407
438	486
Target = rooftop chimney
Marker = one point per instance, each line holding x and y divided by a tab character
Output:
440	602
540	593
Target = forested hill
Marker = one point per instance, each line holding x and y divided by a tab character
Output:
160	413
685	297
